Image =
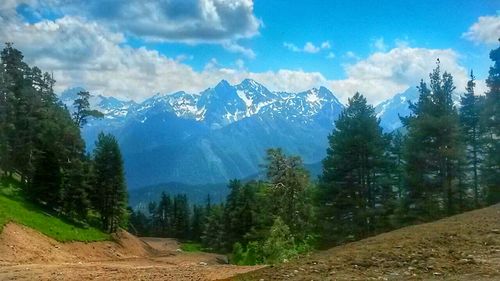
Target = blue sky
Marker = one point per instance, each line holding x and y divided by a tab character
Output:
134	49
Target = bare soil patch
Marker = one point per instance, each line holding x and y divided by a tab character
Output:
462	247
28	255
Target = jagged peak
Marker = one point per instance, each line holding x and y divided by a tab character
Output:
251	83
223	84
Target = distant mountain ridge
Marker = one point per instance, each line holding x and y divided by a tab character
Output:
222	132
212	136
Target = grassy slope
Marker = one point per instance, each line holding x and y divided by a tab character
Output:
15	208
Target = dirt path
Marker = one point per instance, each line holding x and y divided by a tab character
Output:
28	255
462	247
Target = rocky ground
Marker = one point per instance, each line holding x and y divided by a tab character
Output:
462	247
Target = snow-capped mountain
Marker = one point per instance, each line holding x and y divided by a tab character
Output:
212	136
223	132
390	110
111	107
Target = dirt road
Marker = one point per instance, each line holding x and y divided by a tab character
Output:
27	255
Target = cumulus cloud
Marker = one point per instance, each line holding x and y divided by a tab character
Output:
236	48
175	20
309	47
326	45
188	21
85	53
384	74
485	31
82	53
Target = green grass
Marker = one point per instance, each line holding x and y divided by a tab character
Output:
15	208
191	247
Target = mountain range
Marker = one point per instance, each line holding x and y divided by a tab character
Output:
223	132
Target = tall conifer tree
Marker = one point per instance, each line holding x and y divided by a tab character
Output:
351	186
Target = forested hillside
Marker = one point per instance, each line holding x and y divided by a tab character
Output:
41	148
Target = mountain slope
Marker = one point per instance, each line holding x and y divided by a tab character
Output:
461	247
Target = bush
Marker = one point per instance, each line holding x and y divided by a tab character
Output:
280	243
238	254
279	246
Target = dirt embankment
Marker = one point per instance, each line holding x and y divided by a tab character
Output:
28	255
462	247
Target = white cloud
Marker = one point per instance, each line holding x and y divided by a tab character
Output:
183	57
188	21
384	74
236	48
96	58
289	80
485	31
83	53
330	56
309	47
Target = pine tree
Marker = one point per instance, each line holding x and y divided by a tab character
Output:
490	122
165	216
19	105
47	180
469	120
6	103
75	188
433	150
180	218
139	223
239	211
289	191
197	223
352	186
154	218
213	237
82	109
396	154
109	182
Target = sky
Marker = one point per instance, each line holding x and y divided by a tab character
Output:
134	49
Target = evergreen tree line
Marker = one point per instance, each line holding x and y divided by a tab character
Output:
40	143
169	217
263	221
445	160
